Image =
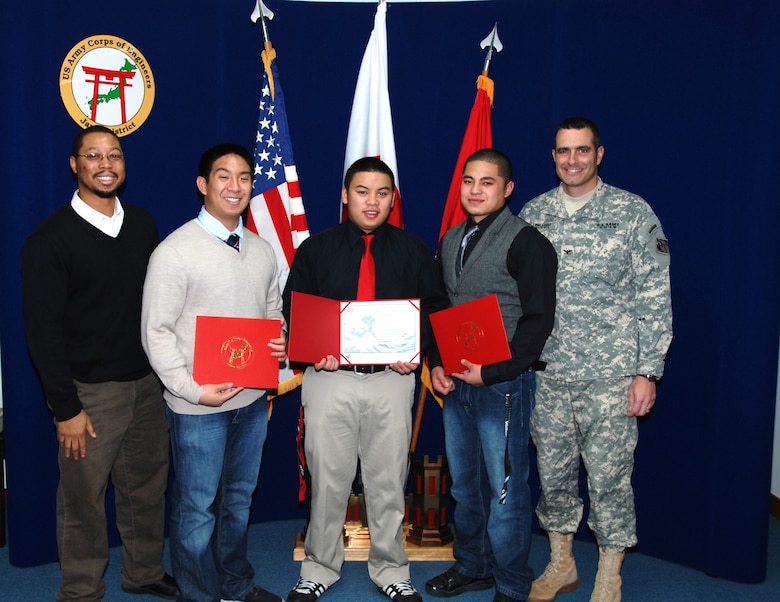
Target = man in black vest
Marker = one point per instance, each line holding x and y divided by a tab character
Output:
487	408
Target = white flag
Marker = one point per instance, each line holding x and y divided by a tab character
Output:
371	123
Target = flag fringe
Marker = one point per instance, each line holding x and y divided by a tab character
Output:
287	385
425	379
486	84
268	55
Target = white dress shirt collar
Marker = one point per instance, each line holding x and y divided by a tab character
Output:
108	225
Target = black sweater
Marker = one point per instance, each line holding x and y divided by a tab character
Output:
82	302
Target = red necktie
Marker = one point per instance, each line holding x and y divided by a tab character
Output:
367	277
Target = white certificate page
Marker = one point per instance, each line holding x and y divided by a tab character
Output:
380	332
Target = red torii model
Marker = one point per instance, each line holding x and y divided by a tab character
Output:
112	78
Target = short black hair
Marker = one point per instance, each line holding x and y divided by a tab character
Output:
494	156
368	164
208	158
579	123
78	139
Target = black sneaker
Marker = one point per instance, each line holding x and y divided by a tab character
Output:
401	591
306	591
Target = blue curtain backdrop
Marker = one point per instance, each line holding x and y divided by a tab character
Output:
687	97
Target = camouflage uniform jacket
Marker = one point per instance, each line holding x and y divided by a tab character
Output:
613	314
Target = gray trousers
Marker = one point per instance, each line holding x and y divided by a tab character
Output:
131	449
350	416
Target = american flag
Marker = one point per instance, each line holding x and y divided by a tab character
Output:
276	210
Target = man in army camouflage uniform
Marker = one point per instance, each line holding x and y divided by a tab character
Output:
613	327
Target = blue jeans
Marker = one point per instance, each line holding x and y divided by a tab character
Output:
493	536
216	460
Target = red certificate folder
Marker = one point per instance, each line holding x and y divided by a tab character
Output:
236	350
321	327
314	328
473	331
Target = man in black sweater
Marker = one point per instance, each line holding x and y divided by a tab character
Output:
83	272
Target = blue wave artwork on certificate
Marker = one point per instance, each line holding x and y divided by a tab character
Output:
380	332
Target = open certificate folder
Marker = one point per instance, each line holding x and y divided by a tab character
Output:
356	332
236	350
472	331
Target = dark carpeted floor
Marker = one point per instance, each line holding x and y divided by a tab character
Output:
645	579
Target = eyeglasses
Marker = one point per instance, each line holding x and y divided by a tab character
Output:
93	157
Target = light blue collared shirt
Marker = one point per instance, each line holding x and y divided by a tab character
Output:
216	228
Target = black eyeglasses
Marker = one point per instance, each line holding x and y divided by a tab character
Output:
113	156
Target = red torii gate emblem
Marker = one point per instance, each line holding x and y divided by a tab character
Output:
112	78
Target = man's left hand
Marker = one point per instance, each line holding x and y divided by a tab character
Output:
472	375
403	367
278	347
641	396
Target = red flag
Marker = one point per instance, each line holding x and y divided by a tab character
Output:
371	122
479	135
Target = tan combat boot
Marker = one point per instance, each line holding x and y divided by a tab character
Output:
560	576
608	581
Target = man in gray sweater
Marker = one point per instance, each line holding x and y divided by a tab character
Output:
217	430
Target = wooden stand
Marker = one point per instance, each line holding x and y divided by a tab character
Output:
429	503
357	542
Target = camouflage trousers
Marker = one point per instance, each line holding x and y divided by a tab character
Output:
586	419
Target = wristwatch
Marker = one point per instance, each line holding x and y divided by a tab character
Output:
651	377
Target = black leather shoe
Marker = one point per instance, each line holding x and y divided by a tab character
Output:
504	598
452	583
258	594
164	588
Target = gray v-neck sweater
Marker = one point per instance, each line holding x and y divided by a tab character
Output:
192	273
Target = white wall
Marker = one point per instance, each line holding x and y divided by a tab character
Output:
2	426
775	488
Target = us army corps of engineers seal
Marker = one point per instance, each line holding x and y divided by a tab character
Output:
105	80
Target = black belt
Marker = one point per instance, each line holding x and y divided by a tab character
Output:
364	369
